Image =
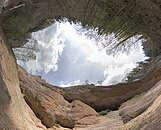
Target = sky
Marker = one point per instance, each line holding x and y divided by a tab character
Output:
70	55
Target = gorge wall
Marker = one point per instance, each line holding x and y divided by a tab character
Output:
123	17
10	95
41	106
14	112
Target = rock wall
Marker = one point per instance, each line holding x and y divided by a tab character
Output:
102	97
1	4
15	114
50	106
124	18
111	97
53	110
48	103
139	103
11	108
11	99
143	112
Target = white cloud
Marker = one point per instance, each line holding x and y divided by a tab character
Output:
67	57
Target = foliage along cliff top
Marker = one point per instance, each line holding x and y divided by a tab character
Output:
124	18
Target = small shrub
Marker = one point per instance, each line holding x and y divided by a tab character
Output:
104	112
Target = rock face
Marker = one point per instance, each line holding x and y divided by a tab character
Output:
49	105
125	18
44	105
10	96
112	121
103	97
139	103
14	112
1	4
151	71
40	106
146	109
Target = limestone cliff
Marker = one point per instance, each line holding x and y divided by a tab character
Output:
52	108
11	104
126	18
46	106
29	103
49	105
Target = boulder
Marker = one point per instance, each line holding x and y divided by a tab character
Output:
49	105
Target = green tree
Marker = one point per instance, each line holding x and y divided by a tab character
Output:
27	52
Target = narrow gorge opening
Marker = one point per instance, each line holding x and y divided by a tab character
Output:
68	54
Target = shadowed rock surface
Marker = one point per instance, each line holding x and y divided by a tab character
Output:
122	17
112	121
46	106
129	110
14	112
150	119
139	103
49	105
102	97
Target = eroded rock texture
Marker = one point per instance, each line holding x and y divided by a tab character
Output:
41	106
122	17
139	103
50	106
135	112
47	103
15	114
10	105
147	110
102	97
